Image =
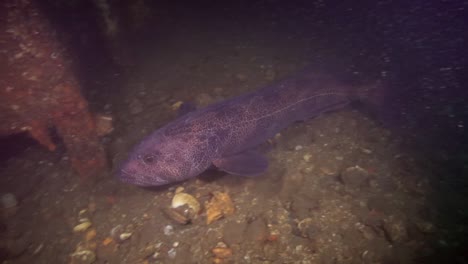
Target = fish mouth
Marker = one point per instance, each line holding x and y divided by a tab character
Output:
139	179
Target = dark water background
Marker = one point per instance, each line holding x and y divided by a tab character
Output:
417	48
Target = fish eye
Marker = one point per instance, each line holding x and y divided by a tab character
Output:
148	158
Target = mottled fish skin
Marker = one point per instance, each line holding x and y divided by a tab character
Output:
192	143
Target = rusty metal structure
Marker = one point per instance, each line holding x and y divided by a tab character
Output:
39	90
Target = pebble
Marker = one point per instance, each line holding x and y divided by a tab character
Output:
172	253
307	157
84	256
115	231
82	227
125	236
168	230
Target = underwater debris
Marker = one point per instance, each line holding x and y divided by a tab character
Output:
218	207
40	91
177	215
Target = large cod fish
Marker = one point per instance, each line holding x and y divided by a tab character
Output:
226	133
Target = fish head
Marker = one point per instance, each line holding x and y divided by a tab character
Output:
160	160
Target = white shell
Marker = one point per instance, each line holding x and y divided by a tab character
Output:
125	236
181	199
82	227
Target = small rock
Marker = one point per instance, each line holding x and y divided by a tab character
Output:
116	231
355	177
168	230
172	253
307	157
83	256
125	236
82	227
221	244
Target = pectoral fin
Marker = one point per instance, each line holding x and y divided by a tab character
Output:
245	164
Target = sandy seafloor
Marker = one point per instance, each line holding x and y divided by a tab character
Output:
341	188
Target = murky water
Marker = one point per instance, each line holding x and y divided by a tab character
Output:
350	186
